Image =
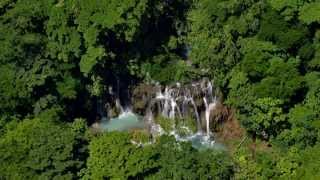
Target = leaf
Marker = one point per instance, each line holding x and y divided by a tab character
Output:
310	13
91	58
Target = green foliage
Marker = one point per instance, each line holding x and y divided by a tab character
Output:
166	69
68	87
182	126
57	57
40	149
181	161
282	80
310	163
266	118
89	60
140	136
256	52
304	118
113	156
166	124
186	126
287	8
64	40
310	13
275	164
240	94
121	16
274	28
304	130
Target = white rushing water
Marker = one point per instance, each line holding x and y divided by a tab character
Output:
172	99
125	121
209	108
174	103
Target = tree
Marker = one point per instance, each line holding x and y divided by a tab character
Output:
310	163
304	118
310	13
42	149
179	160
267	118
282	80
112	155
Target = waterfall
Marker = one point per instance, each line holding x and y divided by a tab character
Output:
119	106
177	96
175	102
209	102
173	107
207	115
170	104
197	114
209	108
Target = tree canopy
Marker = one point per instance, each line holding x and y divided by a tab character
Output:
58	58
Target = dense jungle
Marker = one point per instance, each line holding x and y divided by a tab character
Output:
159	89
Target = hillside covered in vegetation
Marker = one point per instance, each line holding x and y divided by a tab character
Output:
61	60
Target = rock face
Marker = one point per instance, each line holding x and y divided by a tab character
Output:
141	96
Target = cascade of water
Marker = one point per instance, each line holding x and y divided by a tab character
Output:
166	102
189	99
172	99
179	112
119	106
173	105
207	115
209	105
172	102
209	90
149	117
169	104
196	113
184	106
